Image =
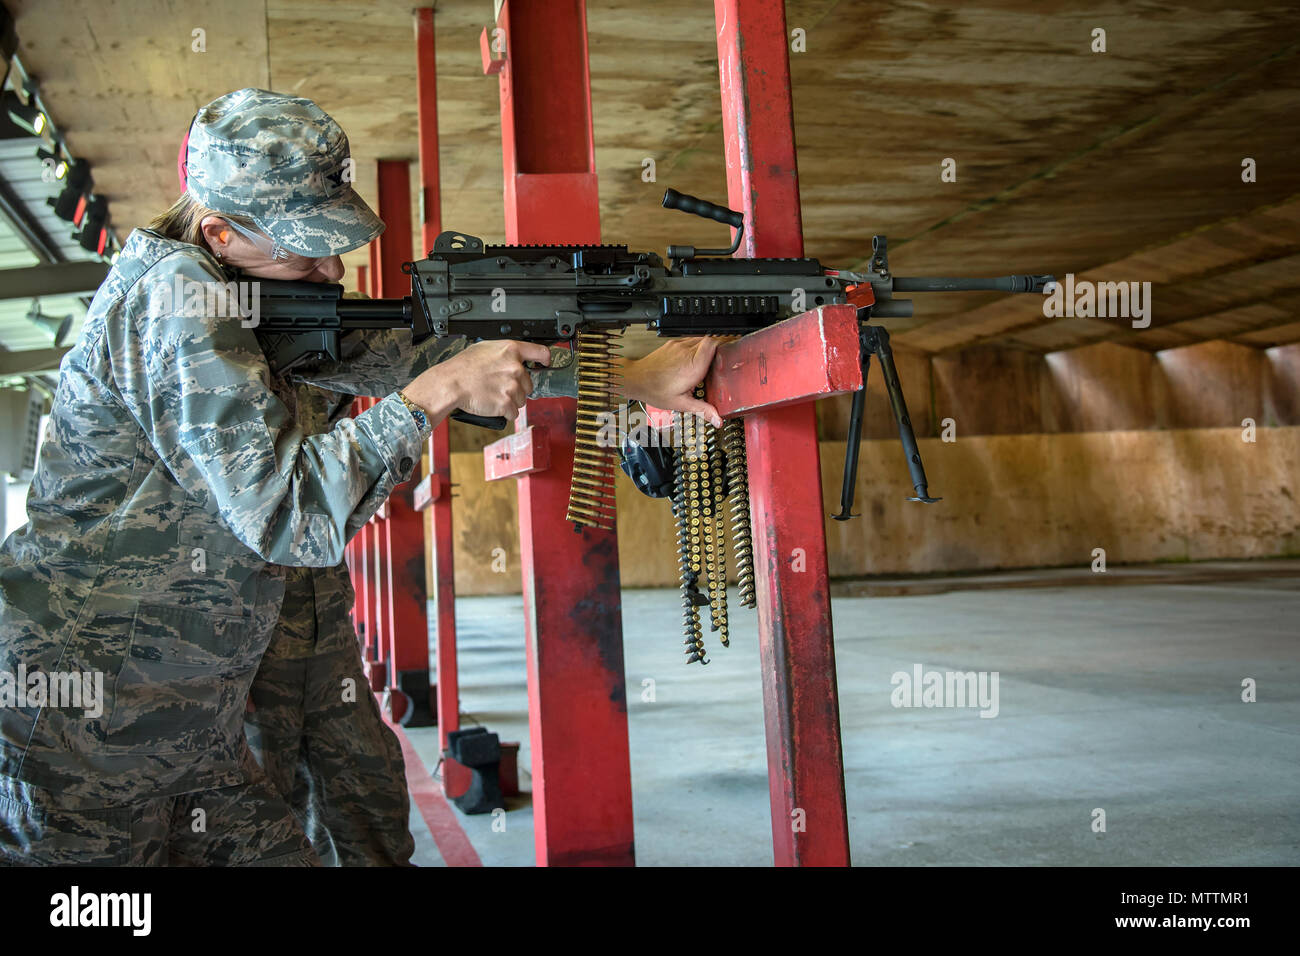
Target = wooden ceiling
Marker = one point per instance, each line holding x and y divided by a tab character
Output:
1120	166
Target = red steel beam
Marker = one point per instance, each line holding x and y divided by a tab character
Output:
577	700
353	549
402	585
360	586
427	492
361	577
807	357
376	617
455	778
522	453
364	584
493	60
577	694
426	105
800	699
393	247
546	139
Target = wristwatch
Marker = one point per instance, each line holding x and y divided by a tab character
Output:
421	419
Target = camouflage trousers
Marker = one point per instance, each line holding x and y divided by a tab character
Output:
315	728
244	825
330	787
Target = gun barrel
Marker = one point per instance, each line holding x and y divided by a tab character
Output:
1016	283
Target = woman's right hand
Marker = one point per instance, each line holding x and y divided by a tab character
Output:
488	379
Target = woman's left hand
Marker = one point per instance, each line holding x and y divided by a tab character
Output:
666	378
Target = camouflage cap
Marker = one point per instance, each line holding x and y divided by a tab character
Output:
283	162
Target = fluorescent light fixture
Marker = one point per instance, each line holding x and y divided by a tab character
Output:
26	116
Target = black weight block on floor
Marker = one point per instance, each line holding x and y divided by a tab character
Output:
480	752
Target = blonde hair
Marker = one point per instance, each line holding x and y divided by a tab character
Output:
184	221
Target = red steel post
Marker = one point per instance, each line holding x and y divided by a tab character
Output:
353	549
404	594
393	247
455	778
372	574
376	661
546	139
800	699
577	695
361	579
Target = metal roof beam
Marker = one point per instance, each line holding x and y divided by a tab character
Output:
31	232
31	361
65	278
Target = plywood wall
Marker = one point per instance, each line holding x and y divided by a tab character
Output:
1139	453
1282	388
1008	501
1102	387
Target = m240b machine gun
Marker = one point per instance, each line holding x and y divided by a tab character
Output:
586	295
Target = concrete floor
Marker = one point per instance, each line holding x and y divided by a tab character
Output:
1124	698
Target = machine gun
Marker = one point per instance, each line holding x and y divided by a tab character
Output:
586	295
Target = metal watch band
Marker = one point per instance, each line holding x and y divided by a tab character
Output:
418	413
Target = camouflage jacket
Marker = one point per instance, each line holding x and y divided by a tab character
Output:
173	486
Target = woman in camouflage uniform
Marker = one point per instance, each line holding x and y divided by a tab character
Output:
183	505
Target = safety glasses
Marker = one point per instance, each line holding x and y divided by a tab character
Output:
272	249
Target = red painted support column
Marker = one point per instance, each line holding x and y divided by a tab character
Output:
361	585
577	695
577	713
371	576
393	247
800	698
546	141
363	543
365	539
426	79
353	549
402	585
455	778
